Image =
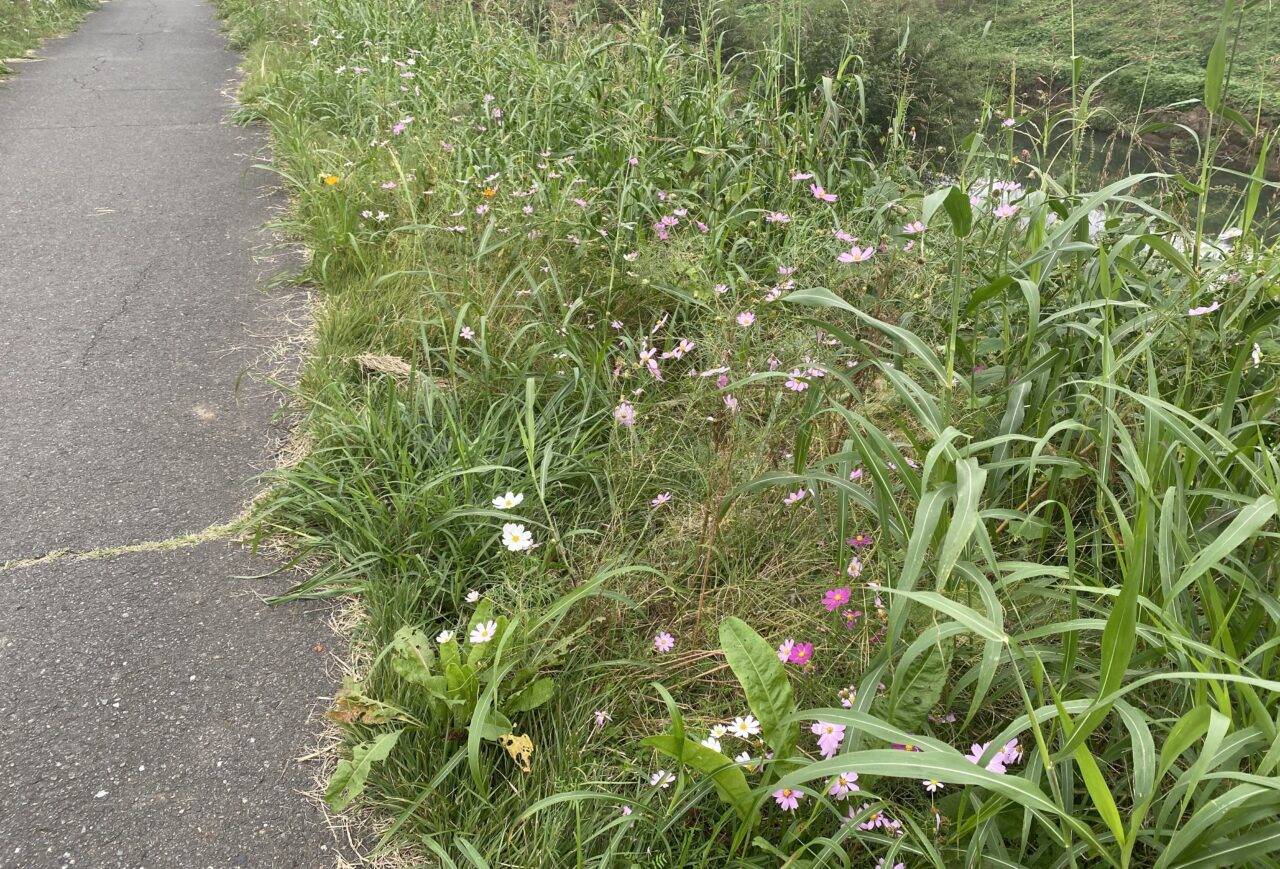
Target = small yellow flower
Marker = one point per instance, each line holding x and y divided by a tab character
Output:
330	180
490	191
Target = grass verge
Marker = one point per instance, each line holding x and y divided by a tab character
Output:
721	493
23	23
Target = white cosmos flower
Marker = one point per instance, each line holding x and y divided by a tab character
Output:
745	757
712	743
719	731
444	637
745	727
662	777
508	501
473	596
515	538
483	633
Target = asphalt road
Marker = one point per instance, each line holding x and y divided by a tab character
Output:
151	707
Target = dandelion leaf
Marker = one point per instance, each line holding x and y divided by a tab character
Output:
412	657
348	780
532	695
352	706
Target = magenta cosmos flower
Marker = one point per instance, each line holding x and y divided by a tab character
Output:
858	541
835	598
787	799
800	654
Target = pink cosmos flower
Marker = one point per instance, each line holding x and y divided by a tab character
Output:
843	236
857	254
795	384
819	193
995	764
784	650
913	228
801	176
664	642
836	598
854	570
801	654
631	257
829	737
787	799
858	541
844	784
1005	211
467	332
601	717
720	289
662	778
625	414
731	403
745	319
626	810
390	185
660	499
794	497
1206	309
1008	122
777	217
634	161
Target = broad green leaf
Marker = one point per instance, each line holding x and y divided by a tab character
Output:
1100	792
532	695
1216	67
763	680
350	776
730	782
412	656
914	691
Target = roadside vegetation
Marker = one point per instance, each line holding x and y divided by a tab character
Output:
23	23
724	482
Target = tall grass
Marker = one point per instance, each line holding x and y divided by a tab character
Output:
23	23
1050	413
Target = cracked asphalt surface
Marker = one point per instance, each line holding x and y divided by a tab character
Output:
151	707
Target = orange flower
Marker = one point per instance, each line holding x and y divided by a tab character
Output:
329	180
490	191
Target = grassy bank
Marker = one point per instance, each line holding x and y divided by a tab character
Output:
718	494
23	23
